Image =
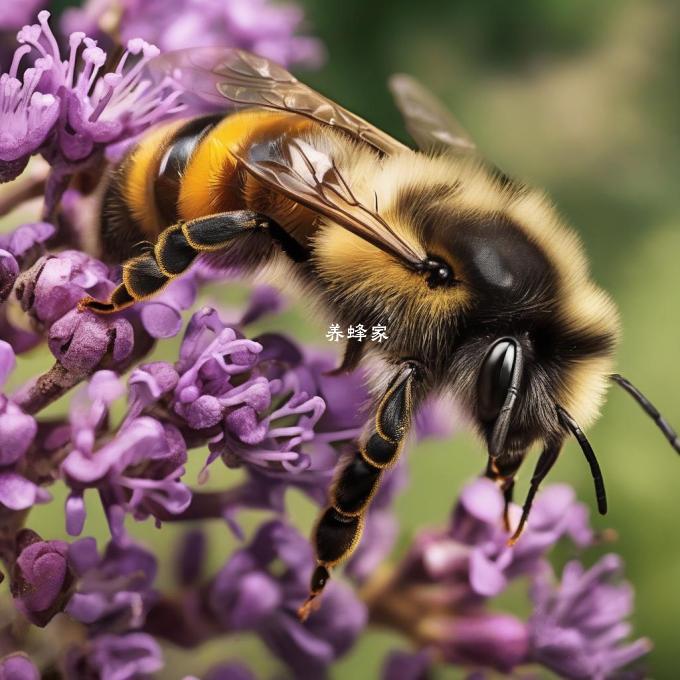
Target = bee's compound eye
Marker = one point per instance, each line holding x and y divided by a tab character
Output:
438	273
495	378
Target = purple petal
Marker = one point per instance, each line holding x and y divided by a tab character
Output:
25	237
105	386
17	493
18	666
43	568
80	340
485	576
75	515
83	555
161	320
206	411
9	270
17	431
401	665
482	500
492	640
7	361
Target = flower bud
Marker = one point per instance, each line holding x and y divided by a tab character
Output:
41	577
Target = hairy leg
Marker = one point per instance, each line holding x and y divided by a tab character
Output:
339	528
176	249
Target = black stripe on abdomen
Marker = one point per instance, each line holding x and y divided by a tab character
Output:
121	234
166	186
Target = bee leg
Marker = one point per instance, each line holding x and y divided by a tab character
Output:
173	253
545	462
504	475
339	528
142	278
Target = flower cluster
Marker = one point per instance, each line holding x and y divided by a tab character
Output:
18	431
114	427
440	594
70	110
260	26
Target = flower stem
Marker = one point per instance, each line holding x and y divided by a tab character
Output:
43	390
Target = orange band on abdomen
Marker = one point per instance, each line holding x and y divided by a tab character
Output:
210	184
140	176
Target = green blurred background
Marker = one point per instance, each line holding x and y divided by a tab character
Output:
579	98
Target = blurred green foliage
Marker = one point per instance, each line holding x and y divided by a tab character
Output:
580	98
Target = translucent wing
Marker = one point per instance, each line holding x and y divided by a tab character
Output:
217	74
427	120
309	176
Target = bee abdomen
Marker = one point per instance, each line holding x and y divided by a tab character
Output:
141	198
173	163
120	231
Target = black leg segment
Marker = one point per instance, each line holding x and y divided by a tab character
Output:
216	231
339	528
175	250
503	472
543	466
336	536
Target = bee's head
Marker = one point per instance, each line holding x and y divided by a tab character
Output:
505	308
519	391
536	334
516	379
501	309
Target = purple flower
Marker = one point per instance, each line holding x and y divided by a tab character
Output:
148	384
260	26
19	493
212	393
476	544
50	292
252	593
18	666
114	591
54	285
19	249
137	471
28	116
17	14
27	240
161	317
9	270
41	577
259	590
17	432
578	629
115	657
401	665
228	671
67	107
497	641
439	592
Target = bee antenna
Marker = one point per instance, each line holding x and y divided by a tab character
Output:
588	452
649	409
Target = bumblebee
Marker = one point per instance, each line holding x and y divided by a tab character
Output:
485	288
